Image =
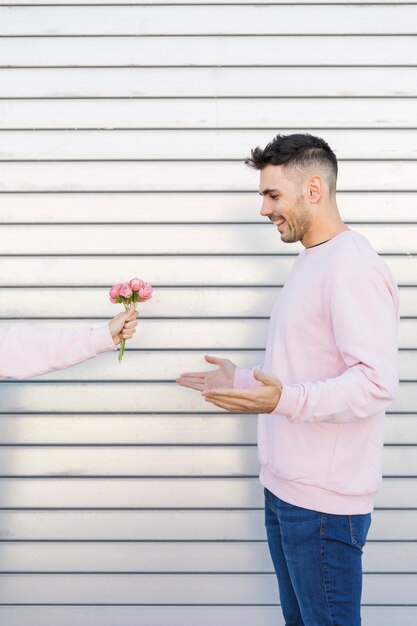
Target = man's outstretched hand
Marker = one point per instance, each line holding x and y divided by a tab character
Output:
220	378
217	387
262	399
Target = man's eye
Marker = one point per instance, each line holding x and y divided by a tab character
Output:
274	197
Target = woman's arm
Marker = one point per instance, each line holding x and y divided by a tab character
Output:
27	350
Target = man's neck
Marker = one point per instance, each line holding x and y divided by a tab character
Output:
326	235
317	244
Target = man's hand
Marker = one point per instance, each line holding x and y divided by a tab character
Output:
263	399
123	326
217	379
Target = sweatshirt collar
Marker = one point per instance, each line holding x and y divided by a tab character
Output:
326	244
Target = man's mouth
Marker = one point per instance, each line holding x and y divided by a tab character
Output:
279	221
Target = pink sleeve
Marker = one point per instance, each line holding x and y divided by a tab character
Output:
27	350
244	378
364	315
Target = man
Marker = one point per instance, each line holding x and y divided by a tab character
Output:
330	370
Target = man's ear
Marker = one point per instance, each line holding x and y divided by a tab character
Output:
315	188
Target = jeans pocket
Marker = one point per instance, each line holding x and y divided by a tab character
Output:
359	526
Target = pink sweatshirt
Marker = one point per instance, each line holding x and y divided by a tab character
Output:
333	343
27	350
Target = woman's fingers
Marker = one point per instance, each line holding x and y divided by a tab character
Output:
128	332
129	325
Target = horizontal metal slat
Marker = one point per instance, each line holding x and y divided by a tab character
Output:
161	461
171	525
33	3
202	270
208	336
207	82
210	20
164	493
165	429
217	50
36	397
179	589
148	207
263	112
186	557
165	366
178	302
110	239
178	615
193	144
186	176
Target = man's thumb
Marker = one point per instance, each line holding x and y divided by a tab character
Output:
263	378
212	359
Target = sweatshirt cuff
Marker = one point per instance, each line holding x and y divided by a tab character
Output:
101	339
287	403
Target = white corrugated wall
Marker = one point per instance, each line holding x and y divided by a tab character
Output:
124	499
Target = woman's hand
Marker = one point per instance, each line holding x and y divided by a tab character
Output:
123	326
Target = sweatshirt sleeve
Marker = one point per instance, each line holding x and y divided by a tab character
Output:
244	378
27	350
364	310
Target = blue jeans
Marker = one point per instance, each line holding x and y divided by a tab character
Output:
318	561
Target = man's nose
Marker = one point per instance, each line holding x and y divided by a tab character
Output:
265	210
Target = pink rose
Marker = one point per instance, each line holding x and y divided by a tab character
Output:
115	291
136	284
136	290
145	292
125	290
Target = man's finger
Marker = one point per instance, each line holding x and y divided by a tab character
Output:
213	360
192	385
264	378
238	394
241	403
231	407
195	383
199	375
191	379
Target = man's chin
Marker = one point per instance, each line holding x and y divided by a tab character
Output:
286	235
286	238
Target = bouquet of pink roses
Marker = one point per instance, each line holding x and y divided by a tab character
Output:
134	291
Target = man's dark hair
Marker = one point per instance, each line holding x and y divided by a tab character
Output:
300	149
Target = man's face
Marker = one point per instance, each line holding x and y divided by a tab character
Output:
284	203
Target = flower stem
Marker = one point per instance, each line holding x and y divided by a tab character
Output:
123	341
122	349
